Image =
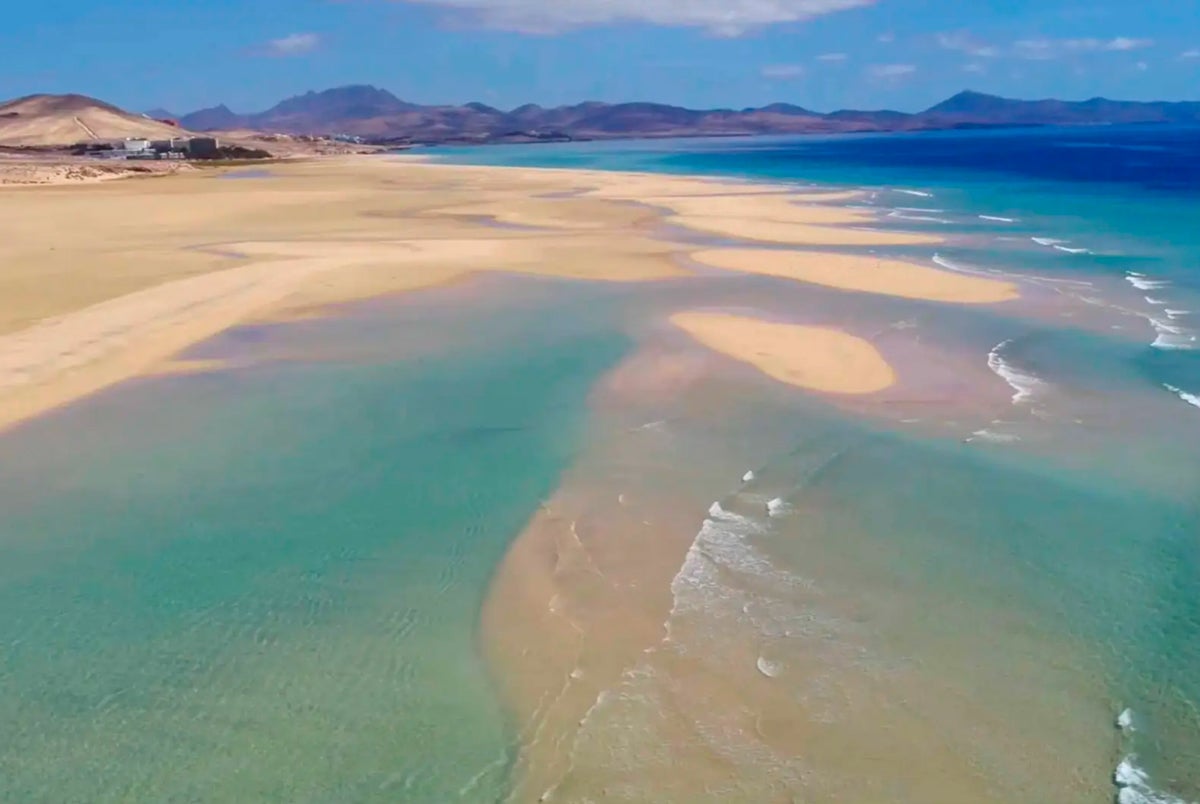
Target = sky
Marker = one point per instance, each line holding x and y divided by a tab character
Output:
821	54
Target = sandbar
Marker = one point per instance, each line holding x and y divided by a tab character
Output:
101	282
814	358
863	274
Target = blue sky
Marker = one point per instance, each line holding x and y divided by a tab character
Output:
824	54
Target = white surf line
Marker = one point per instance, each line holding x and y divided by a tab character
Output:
1191	399
1024	385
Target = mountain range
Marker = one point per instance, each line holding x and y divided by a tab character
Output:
379	116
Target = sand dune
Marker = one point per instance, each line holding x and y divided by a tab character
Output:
815	358
44	120
863	274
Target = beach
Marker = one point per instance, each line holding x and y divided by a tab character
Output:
147	268
463	482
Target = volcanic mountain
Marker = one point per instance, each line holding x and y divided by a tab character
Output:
376	114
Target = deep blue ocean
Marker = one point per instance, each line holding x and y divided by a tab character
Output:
1094	530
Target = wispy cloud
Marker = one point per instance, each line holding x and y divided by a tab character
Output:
720	17
1042	49
886	38
832	57
1194	53
891	72
964	42
783	72
293	44
974	67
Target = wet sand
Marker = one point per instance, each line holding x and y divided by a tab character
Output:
816	358
100	283
145	270
864	274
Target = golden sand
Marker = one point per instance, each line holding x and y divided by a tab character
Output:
863	274
815	358
101	282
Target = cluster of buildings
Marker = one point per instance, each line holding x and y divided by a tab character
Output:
174	148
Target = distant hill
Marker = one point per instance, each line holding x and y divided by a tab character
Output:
46	120
978	107
378	115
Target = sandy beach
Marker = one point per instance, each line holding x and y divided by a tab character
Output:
864	274
146	268
105	282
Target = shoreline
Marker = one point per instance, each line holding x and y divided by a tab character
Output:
575	601
337	229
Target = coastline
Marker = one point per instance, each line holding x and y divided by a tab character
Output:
588	587
150	268
815	515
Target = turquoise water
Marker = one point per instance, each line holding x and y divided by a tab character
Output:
1044	564
262	583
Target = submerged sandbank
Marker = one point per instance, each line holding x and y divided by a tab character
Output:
815	358
863	274
146	269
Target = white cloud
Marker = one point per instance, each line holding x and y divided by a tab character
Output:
1040	49
783	72
963	42
721	17
1194	53
293	44
886	38
891	72
832	57
1125	43
1142	66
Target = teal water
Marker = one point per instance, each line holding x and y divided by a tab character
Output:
1050	554
262	584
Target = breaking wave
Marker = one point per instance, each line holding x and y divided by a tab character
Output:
1191	399
1024	385
1142	282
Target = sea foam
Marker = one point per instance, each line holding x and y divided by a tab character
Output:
900	216
997	219
1133	786
1171	337
991	436
1024	385
1142	282
1191	399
